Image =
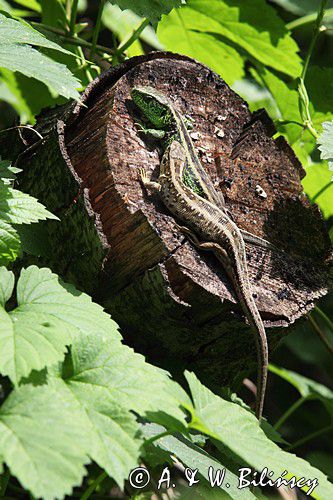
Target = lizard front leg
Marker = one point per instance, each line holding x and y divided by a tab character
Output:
152	187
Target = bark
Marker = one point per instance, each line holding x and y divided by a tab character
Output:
121	245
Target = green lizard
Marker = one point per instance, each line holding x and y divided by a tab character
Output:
170	124
189	194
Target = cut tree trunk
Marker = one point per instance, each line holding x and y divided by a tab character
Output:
173	303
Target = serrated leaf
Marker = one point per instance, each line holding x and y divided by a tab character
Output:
207	48
152	9
307	388
253	26
20	208
196	458
9	243
109	380
7	282
43	440
14	32
231	426
325	141
113	430
55	75
48	316
7	171
98	363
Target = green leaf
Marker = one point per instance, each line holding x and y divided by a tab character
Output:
29	4
152	9
7	282
20	208
43	440
55	75
195	458
9	243
7	172
15	32
48	316
307	388
325	141
11	93
109	381
319	187
113	431
206	47
123	23
233	427
98	363
286	99
253	26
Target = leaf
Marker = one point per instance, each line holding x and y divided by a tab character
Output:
14	32
20	208
205	47
233	427
152	9
9	243
48	316
43	440
307	388
7	282
109	380
113	430
98	363
195	458
325	141
253	26
11	93
7	172
318	183
123	23
30	4
55	75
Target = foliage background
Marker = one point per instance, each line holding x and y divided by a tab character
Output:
276	54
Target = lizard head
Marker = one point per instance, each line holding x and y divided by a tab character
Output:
154	105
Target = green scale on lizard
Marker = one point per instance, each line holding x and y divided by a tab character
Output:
157	110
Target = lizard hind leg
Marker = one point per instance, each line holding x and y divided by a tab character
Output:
209	246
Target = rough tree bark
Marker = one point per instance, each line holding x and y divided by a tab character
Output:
174	304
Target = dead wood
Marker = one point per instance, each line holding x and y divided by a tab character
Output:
174	304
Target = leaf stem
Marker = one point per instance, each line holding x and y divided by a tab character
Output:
309	18
97	28
324	317
321	335
320	192
158	436
99	479
73	40
134	36
73	17
290	410
315	34
309	437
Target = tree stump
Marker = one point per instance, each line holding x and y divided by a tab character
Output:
116	242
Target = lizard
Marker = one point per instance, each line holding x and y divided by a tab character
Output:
189	194
169	122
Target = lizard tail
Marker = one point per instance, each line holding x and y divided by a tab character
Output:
238	275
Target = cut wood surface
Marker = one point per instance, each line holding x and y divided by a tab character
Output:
173	303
